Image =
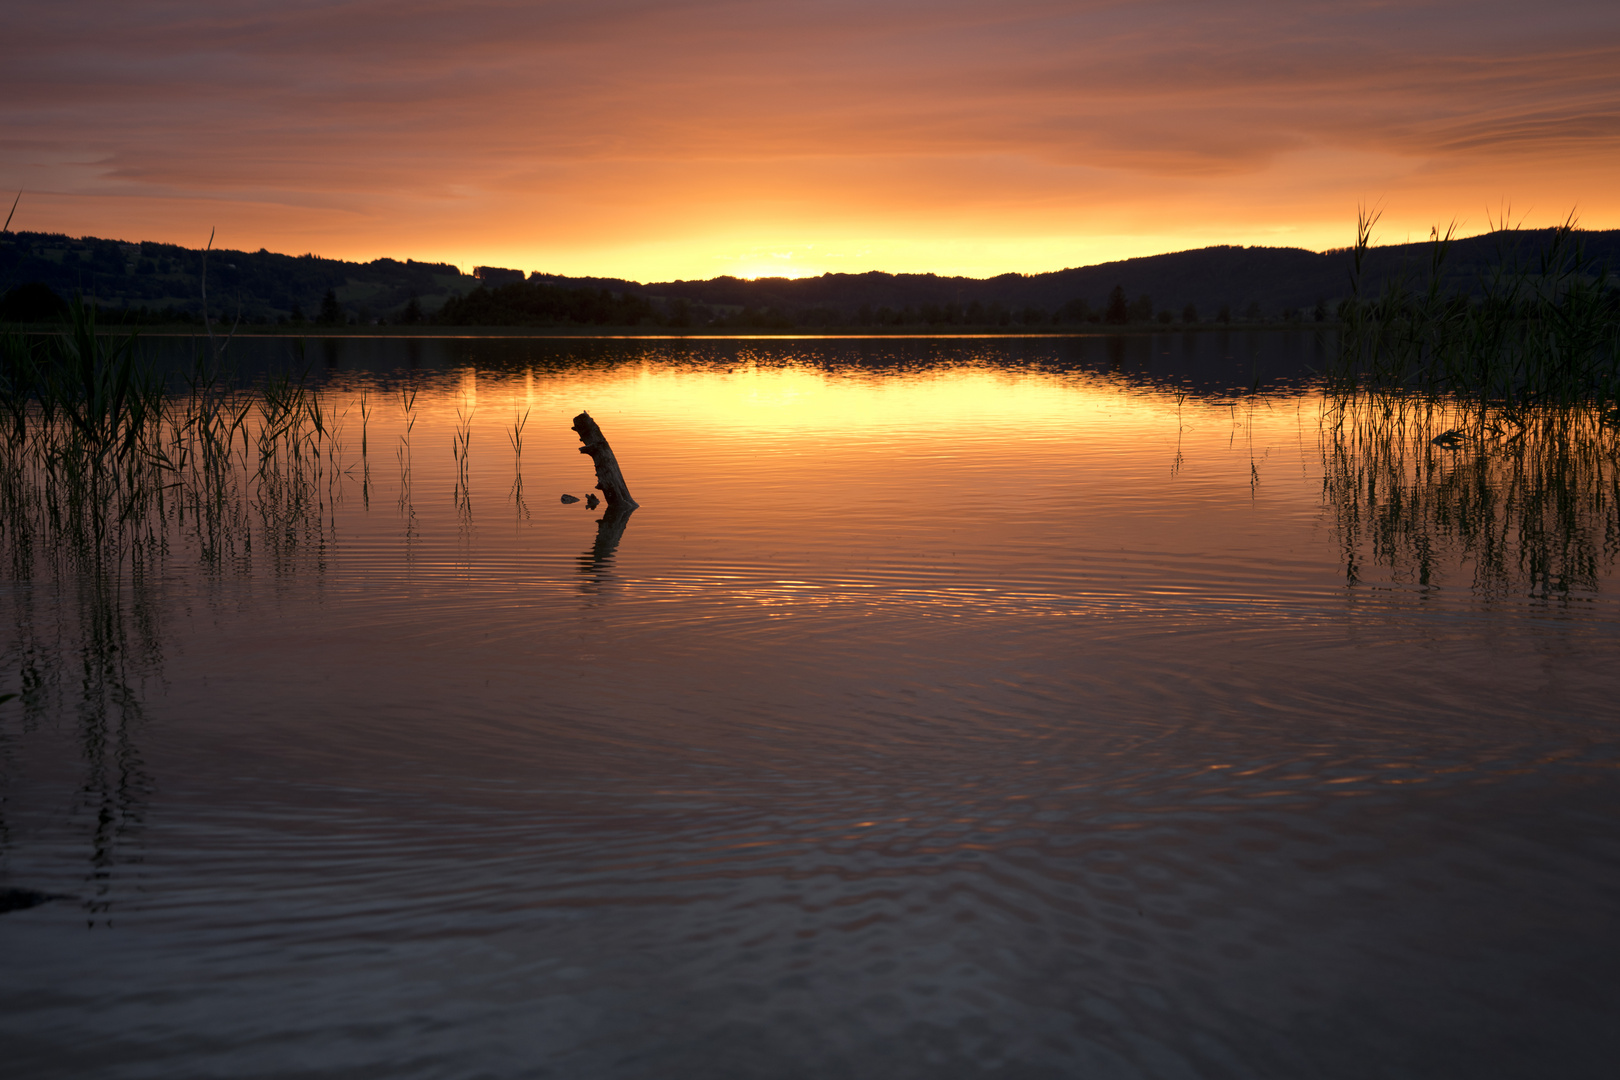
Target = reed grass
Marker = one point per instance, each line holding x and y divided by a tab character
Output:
1479	426
461	441
101	451
515	436
1540	327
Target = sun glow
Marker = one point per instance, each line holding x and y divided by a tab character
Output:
989	144
770	263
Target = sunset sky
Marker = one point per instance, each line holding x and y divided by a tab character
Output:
687	139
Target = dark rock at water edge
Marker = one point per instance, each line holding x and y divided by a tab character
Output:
14	899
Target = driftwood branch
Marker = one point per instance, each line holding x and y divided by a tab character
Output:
609	480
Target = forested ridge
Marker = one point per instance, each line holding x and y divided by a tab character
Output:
155	283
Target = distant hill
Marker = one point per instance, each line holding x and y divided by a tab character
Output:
1262	282
166	280
163	282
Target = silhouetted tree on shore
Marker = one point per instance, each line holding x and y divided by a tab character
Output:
1118	312
331	313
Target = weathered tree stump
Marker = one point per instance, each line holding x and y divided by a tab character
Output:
609	480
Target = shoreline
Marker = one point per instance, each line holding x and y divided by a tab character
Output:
665	333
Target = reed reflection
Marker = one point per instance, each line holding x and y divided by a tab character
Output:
113	483
86	638
1529	497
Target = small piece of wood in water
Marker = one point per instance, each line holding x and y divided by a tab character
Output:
609	480
571	498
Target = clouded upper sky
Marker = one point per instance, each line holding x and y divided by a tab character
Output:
681	138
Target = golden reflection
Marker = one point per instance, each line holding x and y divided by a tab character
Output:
793	399
1525	499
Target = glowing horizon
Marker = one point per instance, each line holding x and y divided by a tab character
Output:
694	138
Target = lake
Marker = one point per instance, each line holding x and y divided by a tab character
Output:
1040	707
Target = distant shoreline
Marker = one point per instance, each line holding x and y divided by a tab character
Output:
162	287
670	334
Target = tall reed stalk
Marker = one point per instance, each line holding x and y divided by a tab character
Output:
1541	327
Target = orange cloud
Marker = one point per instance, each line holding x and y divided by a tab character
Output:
685	139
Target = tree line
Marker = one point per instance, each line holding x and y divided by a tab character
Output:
155	283
534	304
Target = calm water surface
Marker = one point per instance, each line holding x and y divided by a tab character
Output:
948	708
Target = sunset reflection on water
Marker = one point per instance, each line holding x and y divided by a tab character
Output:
974	710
